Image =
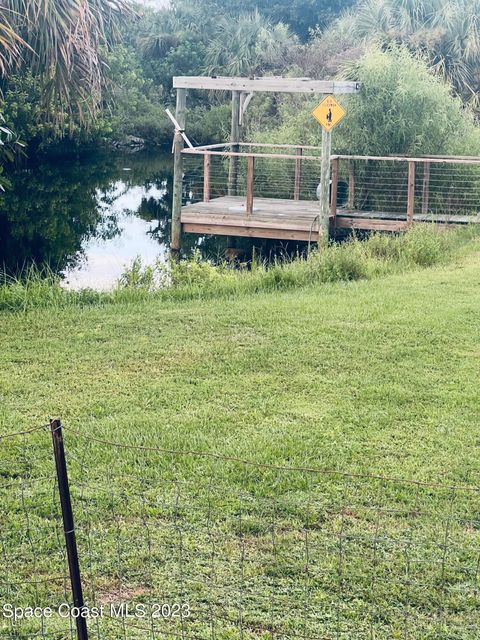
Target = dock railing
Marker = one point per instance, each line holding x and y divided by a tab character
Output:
254	171
397	188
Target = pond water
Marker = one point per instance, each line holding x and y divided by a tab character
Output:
87	218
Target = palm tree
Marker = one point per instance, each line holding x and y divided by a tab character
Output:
11	44
444	32
247	45
161	31
61	43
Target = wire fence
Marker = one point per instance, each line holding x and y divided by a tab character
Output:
198	545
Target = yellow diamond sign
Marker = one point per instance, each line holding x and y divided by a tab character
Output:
329	113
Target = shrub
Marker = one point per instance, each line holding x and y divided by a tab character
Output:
402	108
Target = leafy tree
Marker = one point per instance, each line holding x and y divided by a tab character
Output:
171	42
137	108
402	109
446	33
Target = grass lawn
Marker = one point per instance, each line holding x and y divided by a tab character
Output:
375	377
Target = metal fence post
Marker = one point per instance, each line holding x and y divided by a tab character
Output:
68	526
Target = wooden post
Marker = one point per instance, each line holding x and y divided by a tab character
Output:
250	178
426	187
206	177
324	226
333	199
235	135
351	185
411	192
298	174
178	145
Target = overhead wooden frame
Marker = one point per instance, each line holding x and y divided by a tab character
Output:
267	84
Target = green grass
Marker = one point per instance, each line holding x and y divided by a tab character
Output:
376	256
376	376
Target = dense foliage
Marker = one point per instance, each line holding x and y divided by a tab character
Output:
300	15
402	108
445	34
102	72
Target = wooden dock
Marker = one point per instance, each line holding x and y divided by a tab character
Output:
285	219
302	192
270	218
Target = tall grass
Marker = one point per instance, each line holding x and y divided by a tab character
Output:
378	255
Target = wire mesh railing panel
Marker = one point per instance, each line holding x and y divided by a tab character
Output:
449	189
432	188
285	178
440	189
376	186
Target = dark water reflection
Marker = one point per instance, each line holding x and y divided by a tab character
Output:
87	218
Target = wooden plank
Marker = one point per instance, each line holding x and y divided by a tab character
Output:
265	216
411	192
262	214
206	177
366	224
298	174
240	154
325	188
261	145
263	223
447	160
235	134
206	147
264	208
268	84
250	232
250	179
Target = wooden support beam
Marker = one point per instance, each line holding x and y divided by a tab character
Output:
351	185
206	177
250	181
333	197
426	187
235	135
268	84
411	192
436	160
240	154
178	145
298	174
249	232
370	224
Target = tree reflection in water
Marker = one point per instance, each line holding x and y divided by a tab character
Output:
55	210
88	218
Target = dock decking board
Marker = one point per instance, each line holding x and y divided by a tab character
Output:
290	219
